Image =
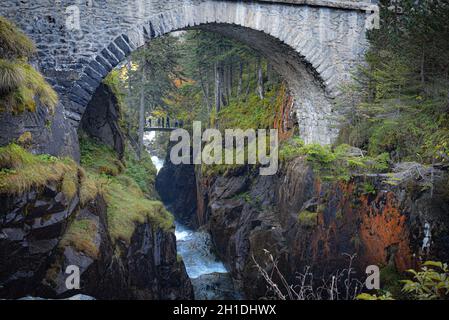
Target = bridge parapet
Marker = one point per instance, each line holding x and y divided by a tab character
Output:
339	4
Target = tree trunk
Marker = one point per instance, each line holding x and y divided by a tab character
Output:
240	82
141	116
260	84
205	88
230	82
222	85
217	88
422	72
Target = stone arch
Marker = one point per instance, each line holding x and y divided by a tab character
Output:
313	48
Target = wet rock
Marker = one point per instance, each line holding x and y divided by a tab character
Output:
28	237
215	286
176	185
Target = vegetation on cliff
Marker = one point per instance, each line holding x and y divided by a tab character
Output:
21	86
334	163
127	186
20	171
81	236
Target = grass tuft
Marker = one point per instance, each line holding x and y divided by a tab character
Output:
11	76
20	171
127	206
88	188
13	42
21	85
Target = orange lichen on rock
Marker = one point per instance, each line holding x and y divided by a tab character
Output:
383	232
283	120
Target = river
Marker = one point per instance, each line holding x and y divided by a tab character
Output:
210	279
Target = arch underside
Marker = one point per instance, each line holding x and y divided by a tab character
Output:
309	58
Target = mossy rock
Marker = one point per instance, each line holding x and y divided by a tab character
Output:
308	219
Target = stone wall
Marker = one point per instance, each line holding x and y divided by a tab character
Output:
314	45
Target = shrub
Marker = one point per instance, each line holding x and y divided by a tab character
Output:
431	282
333	164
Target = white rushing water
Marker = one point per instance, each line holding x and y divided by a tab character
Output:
210	279
195	250
148	138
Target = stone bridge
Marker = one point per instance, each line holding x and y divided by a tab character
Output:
313	44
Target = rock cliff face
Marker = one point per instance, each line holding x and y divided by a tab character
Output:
30	227
176	185
303	221
101	119
42	232
50	133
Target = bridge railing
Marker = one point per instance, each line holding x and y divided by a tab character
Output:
163	124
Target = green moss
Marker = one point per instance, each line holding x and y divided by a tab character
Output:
127	206
333	164
142	171
308	219
21	170
114	83
81	236
251	113
25	139
99	158
126	187
13	42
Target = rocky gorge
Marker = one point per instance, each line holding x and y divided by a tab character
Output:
65	220
303	221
